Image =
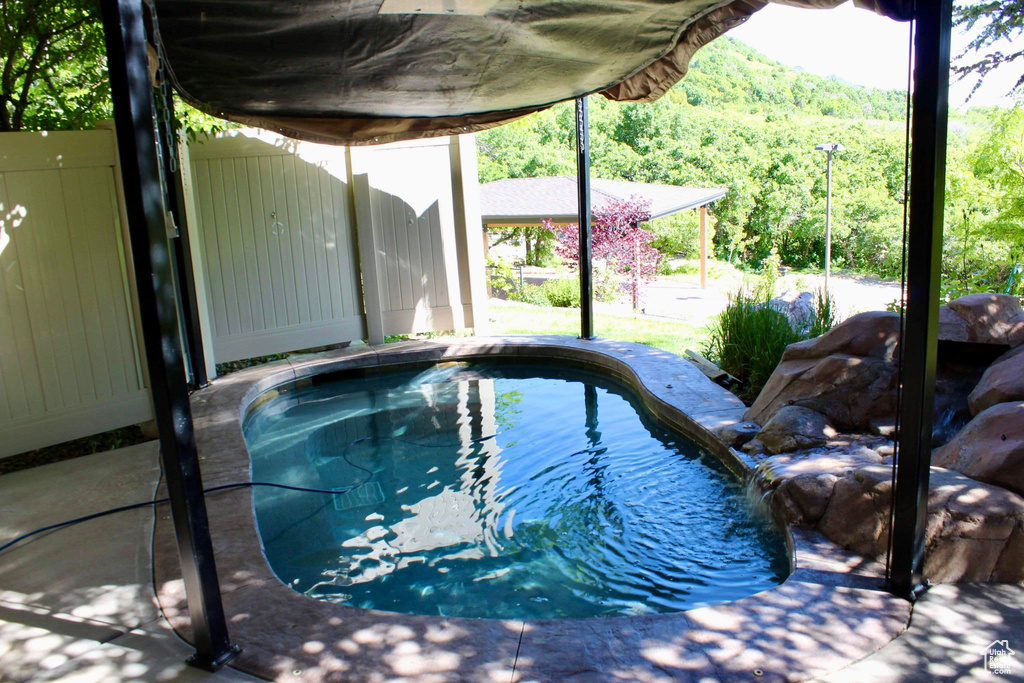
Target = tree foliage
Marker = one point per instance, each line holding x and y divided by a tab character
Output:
619	239
741	121
53	74
997	22
53	70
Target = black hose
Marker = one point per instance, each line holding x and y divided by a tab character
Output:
236	485
158	501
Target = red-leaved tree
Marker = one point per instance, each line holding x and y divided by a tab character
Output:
617	238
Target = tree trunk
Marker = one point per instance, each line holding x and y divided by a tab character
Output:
636	271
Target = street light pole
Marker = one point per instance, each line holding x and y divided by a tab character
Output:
828	148
828	218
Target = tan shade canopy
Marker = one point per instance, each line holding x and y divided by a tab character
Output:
374	71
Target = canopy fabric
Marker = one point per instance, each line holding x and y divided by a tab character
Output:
528	201
375	71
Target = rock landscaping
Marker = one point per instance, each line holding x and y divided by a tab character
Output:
825	459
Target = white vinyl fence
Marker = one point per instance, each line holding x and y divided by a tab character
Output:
69	361
278	245
294	245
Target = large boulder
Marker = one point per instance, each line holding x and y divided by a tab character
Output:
738	434
1003	381
847	374
875	334
799	307
975	532
991	318
794	428
990	448
951	326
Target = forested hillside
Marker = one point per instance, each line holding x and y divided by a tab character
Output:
742	121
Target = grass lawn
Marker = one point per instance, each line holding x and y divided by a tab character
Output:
508	317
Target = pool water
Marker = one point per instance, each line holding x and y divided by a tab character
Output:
499	490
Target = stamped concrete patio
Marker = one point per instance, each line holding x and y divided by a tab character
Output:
82	603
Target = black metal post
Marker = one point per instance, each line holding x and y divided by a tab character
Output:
586	255
132	93
181	246
924	253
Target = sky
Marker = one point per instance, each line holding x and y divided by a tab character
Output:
859	46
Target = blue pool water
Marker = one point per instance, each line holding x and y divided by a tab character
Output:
499	490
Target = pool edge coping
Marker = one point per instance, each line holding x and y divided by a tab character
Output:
672	389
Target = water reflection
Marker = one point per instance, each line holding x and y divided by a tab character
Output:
503	491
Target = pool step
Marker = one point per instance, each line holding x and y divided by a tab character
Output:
365	494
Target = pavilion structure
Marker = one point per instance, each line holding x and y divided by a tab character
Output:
529	202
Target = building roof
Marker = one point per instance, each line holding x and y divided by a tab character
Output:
528	201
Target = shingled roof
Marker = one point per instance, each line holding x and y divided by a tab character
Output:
528	201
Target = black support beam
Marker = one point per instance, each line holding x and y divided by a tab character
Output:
132	93
586	253
924	254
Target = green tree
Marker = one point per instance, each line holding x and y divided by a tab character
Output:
997	21
53	74
53	70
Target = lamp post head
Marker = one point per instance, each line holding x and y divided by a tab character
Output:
829	147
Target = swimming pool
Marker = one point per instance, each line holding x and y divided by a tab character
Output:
501	490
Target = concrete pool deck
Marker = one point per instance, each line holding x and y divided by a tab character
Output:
829	614
73	609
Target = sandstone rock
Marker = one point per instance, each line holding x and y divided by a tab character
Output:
793	428
951	326
851	391
847	374
736	435
1003	381
813	463
874	334
973	529
992	318
857	516
798	307
753	447
803	499
990	448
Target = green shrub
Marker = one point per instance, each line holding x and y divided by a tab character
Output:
501	276
768	275
895	306
825	316
679	233
529	294
748	339
607	284
562	292
684	268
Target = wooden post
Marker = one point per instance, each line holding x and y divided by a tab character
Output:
703	247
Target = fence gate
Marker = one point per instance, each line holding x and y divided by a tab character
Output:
274	223
69	365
